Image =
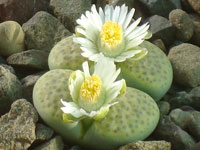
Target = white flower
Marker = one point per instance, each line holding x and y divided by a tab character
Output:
111	34
94	94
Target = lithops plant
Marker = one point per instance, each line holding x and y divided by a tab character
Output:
11	38
133	118
66	55
152	74
47	92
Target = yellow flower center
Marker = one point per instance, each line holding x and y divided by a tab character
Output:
111	34
90	88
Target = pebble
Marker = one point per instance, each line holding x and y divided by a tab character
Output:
17	127
161	28
185	62
183	23
43	31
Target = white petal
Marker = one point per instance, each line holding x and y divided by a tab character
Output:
92	33
101	13
86	69
128	18
143	28
92	20
95	113
74	85
87	54
108	12
114	90
84	42
81	31
126	55
89	49
133	43
104	67
123	13
94	57
97	16
141	34
111	77
132	26
116	14
83	21
71	108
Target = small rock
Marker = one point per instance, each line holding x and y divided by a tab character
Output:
195	94
185	62
196	35
43	31
186	99
160	44
35	59
183	23
187	120
17	128
169	131
147	145
161	28
68	11
19	10
164	107
195	4
10	68
54	144
28	84
43	132
160	7
11	38
10	89
181	118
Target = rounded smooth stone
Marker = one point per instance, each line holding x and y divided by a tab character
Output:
132	119
66	55
183	23
151	74
185	60
11	38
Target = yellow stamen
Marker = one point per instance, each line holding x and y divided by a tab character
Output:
90	88
111	34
